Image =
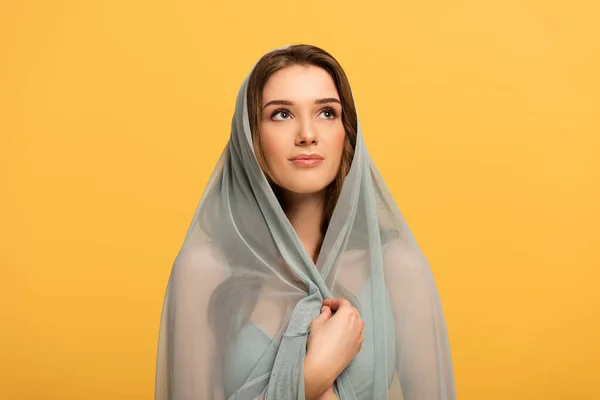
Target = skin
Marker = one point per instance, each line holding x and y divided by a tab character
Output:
302	115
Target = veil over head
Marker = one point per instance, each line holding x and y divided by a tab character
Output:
243	291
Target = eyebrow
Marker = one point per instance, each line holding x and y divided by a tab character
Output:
289	103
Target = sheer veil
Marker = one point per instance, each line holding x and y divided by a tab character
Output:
243	291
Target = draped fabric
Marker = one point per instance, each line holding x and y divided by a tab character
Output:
243	291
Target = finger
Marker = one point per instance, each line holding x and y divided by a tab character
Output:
325	312
324	316
335	304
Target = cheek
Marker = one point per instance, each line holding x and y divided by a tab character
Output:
337	144
272	146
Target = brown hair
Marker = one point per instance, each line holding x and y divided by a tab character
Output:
304	55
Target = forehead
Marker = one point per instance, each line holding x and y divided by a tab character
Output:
299	83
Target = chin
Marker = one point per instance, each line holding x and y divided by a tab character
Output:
305	182
304	187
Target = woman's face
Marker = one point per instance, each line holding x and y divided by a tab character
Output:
301	131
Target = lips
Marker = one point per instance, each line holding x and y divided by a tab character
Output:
307	160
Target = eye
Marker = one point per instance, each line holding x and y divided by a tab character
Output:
283	113
329	113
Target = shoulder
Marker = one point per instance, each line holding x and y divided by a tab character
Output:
402	256
203	262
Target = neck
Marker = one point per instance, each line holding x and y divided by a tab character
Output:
306	213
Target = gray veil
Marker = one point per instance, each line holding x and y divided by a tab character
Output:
243	291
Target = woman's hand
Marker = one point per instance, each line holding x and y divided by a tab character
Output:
335	339
333	342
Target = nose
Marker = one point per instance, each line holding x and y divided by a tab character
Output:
306	135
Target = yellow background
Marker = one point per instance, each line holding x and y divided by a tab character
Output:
483	117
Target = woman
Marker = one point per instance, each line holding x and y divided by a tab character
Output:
298	277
